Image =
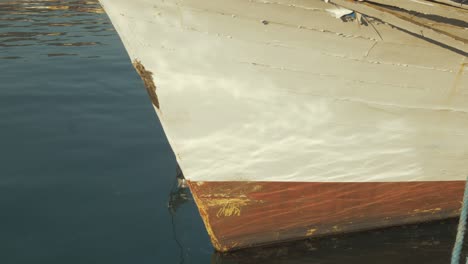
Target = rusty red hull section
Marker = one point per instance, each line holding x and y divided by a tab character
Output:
245	214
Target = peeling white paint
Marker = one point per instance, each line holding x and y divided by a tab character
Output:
338	12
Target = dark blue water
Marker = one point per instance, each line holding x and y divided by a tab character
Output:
85	168
86	172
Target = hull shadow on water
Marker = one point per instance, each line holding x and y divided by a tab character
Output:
421	243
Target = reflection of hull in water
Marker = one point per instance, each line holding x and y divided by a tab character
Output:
289	123
429	243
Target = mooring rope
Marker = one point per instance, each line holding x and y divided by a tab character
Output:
457	248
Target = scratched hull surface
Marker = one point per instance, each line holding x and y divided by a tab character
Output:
245	214
429	243
284	93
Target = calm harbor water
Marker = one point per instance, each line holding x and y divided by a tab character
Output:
87	174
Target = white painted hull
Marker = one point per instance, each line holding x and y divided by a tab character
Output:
283	91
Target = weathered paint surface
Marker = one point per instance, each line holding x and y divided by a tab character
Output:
304	97
428	8
441	30
428	243
458	4
289	123
282	211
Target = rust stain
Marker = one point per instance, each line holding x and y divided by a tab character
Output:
205	217
147	78
455	86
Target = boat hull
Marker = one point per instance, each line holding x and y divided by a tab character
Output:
289	123
245	214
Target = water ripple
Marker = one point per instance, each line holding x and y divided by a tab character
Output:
57	24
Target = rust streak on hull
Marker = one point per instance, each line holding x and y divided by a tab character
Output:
147	78
269	212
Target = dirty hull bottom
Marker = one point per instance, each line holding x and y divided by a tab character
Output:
245	214
428	243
